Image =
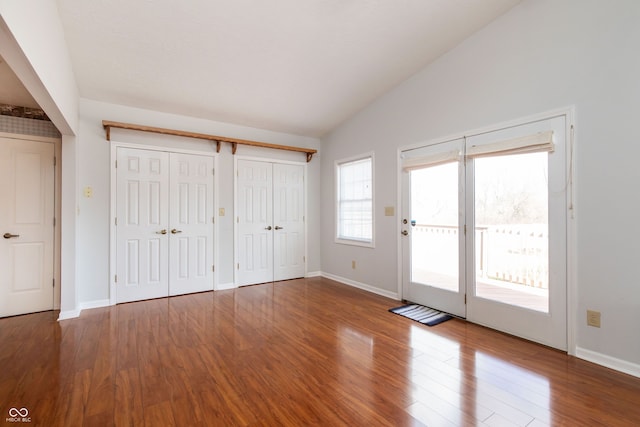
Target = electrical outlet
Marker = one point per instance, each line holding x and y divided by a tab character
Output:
88	192
389	211
593	318
353	264
221	211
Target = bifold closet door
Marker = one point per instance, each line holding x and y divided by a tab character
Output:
270	221
164	236
288	220
191	217
142	237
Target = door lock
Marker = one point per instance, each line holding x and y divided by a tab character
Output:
405	233
9	235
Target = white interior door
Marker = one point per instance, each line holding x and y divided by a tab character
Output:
191	218
142	239
288	217
270	220
27	182
255	222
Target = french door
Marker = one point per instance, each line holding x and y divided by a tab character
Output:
26	226
270	222
164	224
486	229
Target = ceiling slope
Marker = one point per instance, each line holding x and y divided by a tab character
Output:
294	66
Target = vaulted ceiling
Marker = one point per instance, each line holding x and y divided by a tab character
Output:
294	66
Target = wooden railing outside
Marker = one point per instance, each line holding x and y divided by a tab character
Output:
517	254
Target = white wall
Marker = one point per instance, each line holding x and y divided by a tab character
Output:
542	55
94	171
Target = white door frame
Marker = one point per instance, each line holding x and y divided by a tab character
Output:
569	114
113	206
57	143
236	256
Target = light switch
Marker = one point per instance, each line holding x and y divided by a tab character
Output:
221	211
389	211
88	192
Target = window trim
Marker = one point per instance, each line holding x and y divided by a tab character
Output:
337	165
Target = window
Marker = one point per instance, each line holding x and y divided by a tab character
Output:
354	201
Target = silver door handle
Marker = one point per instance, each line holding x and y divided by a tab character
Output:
278	227
9	235
268	228
405	233
174	231
164	231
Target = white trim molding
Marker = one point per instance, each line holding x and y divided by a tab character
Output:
69	314
87	305
608	361
313	274
363	286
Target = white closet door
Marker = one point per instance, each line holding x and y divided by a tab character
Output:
26	226
254	221
191	217
142	237
288	219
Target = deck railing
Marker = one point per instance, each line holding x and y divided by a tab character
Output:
517	254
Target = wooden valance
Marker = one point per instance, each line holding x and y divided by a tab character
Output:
214	138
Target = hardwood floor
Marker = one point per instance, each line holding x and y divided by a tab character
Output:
302	352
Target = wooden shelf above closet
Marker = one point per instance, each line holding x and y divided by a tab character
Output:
214	138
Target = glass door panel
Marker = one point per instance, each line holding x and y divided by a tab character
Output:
433	241
512	230
434	227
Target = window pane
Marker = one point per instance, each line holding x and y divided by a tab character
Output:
512	230
355	200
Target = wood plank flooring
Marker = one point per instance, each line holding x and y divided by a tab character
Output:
296	353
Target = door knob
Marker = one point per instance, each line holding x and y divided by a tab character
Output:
278	227
164	231
405	233
174	231
268	228
9	235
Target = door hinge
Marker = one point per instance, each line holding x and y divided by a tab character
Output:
238	266
116	164
304	259
465	229
213	172
465	298
115	278
213	268
213	219
54	221
54	161
115	220
238	219
53	283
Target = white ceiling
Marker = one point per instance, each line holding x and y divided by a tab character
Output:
295	66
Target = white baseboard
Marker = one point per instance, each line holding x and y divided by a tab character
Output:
314	274
363	286
608	361
69	314
225	286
